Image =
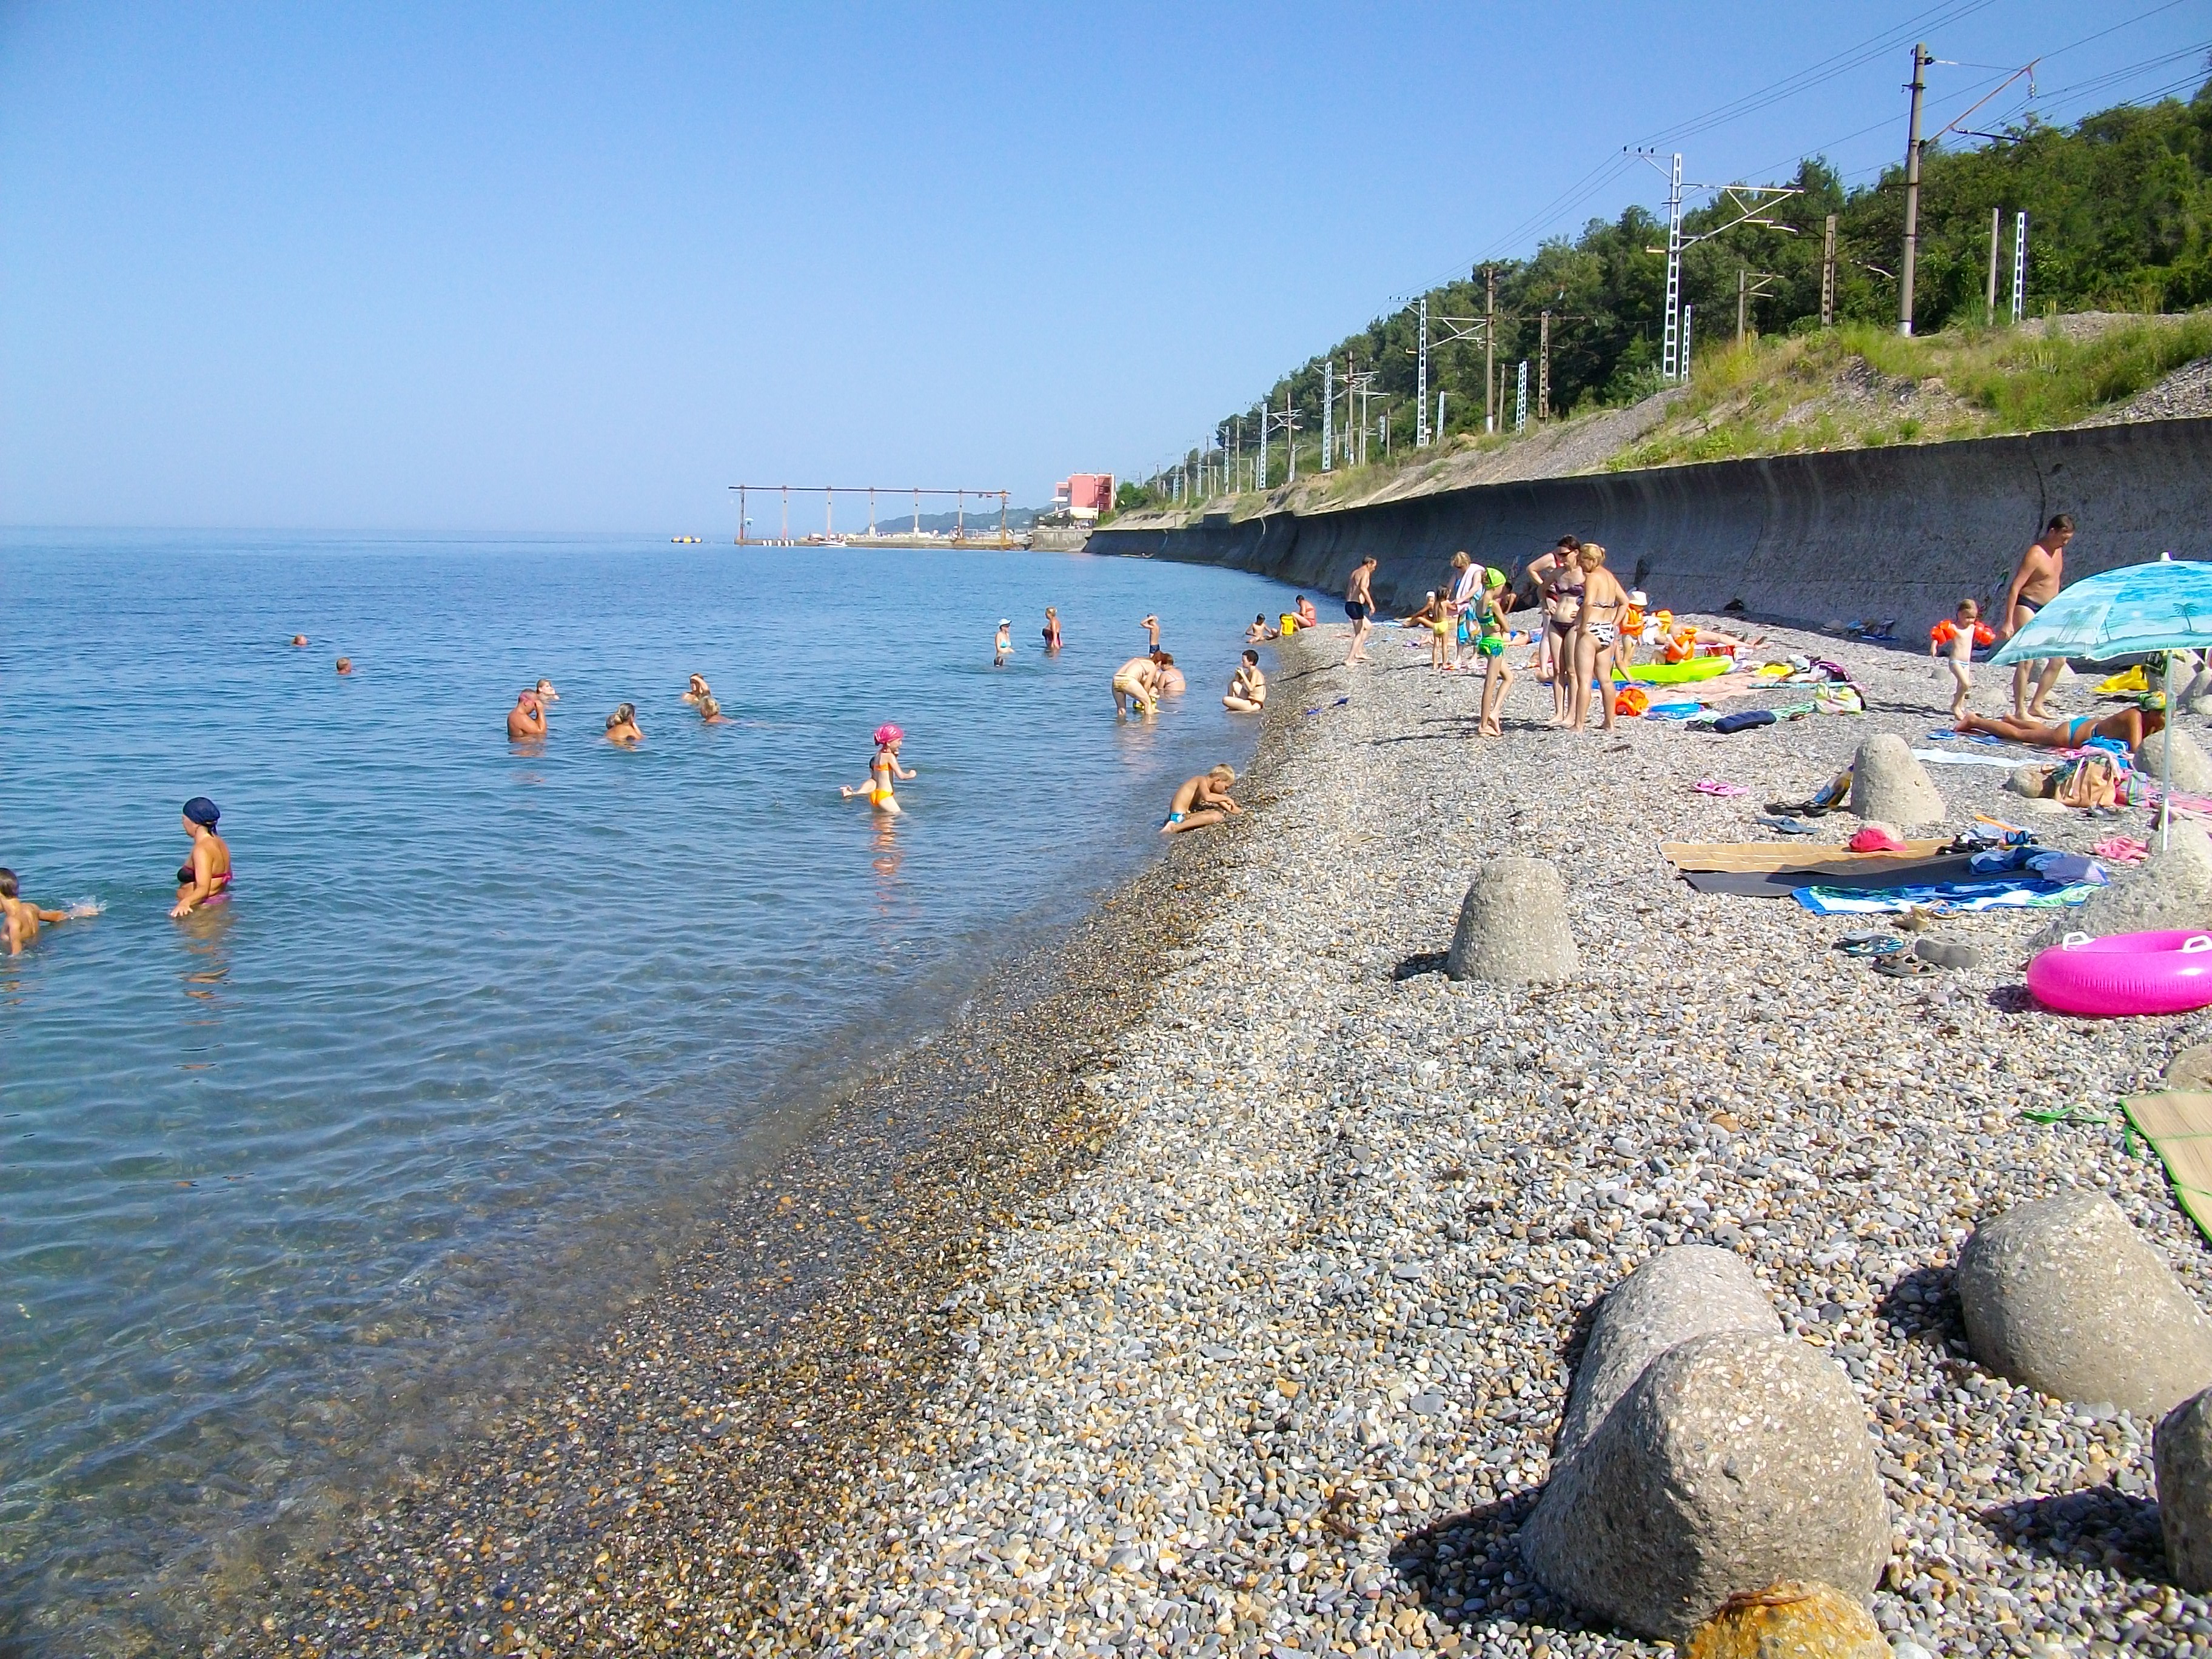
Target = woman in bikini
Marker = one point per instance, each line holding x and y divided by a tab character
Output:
699	689
1563	614
621	725
2130	726
205	878
1051	628
1605	602
882	770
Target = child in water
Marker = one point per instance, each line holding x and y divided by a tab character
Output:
1002	646
1957	639
881	771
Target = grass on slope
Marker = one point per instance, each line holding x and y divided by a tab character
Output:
1863	387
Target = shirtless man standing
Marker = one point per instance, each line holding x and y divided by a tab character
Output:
526	719
19	917
1136	686
1359	605
2042	572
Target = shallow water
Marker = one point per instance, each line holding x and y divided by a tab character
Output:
479	1023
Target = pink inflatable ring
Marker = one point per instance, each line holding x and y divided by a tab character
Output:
2169	973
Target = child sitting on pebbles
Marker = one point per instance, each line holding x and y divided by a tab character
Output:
1202	800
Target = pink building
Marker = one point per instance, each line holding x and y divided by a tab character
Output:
1085	494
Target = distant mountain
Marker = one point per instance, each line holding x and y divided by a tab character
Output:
891	521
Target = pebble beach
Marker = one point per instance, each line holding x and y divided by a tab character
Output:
1230	1303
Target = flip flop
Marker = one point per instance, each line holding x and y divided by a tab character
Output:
1716	786
1904	967
1789	826
1869	945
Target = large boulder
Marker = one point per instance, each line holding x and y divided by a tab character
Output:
1735	1462
2063	1295
1888	784
2192	770
2197	698
2171	889
1513	926
1692	1290
1790	1621
2183	1451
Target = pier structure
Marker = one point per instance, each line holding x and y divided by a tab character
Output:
890	536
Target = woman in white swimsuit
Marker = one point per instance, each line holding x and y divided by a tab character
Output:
1604	603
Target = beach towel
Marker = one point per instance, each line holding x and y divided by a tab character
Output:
1945	898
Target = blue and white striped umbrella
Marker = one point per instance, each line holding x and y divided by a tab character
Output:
2163	606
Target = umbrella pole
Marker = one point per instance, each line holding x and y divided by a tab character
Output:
2165	766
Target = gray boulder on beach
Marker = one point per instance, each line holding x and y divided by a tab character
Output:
2063	1295
1692	1290
2192	771
1513	926
2196	698
2171	889
1735	1461
2183	1452
1889	785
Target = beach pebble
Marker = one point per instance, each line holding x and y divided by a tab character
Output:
1735	1461
1513	924
1790	1621
1888	784
2184	1454
2171	889
1692	1290
2063	1295
2192	769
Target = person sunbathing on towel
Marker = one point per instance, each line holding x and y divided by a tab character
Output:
2130	725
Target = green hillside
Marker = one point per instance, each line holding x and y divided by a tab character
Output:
2119	209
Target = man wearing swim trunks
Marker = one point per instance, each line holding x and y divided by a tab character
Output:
1136	686
19	917
1359	605
2041	573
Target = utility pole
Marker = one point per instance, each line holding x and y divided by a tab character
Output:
1490	348
1670	352
1920	62
1686	310
1828	274
1742	287
2020	266
1990	304
1328	413
1521	398
1291	435
1544	367
1421	378
1440	417
1264	424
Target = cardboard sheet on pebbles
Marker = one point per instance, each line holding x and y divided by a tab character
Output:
2178	1126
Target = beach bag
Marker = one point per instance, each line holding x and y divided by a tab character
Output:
2090	782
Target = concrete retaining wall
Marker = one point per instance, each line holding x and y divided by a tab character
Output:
1904	531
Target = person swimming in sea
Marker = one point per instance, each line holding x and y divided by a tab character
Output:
1002	644
1172	681
710	712
345	664
1051	628
699	689
621	725
1151	627
19	917
882	770
205	878
526	721
1202	800
299	639
545	691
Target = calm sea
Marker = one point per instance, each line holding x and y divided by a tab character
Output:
265	1168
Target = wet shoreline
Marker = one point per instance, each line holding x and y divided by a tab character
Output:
658	1485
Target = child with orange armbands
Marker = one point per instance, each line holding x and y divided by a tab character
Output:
1957	639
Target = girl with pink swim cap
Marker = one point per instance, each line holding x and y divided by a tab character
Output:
881	771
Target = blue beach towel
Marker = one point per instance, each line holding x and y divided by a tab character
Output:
1944	898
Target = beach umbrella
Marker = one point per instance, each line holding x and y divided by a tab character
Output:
2165	606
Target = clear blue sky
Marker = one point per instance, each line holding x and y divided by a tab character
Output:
566	268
